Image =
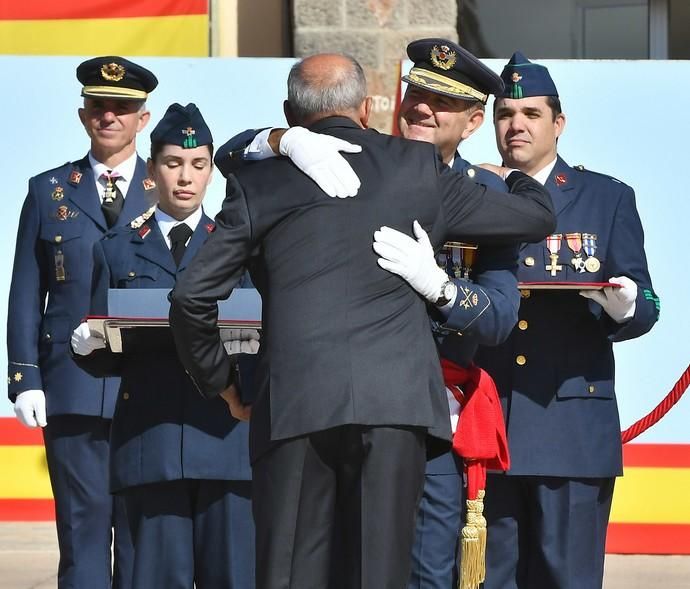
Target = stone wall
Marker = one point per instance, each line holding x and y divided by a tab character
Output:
375	32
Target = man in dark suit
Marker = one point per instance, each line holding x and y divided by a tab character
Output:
547	515
444	105
350	391
180	462
68	209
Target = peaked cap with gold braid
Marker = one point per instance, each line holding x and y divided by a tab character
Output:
444	67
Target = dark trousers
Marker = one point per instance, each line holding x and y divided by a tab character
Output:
192	533
439	520
336	509
85	511
546	532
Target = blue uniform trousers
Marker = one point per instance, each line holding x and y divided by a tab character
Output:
192	533
546	532
438	526
85	512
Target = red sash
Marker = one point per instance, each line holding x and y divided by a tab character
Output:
480	438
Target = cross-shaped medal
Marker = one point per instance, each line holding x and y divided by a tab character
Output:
554	266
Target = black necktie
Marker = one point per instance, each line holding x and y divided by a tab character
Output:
113	200
179	235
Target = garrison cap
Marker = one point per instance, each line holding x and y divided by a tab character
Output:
183	126
523	79
115	77
444	67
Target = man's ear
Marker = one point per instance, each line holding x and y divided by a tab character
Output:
474	121
149	167
289	116
365	111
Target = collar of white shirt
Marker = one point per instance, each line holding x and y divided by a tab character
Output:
166	222
543	175
124	169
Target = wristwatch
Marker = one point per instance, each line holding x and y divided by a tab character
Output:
448	292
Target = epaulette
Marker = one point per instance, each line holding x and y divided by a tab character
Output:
581	168
141	219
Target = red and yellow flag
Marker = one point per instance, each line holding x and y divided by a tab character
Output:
104	27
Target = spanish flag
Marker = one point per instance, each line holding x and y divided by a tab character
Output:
104	27
25	493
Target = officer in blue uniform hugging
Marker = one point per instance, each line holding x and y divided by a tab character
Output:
547	515
66	210
181	462
444	104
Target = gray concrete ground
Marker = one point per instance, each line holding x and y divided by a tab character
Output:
28	560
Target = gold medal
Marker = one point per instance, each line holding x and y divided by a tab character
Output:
592	264
589	244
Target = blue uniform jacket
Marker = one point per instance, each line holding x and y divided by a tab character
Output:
60	221
555	374
486	308
163	429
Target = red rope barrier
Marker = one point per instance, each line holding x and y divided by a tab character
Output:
660	410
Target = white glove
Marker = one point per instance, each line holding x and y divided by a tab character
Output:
412	260
318	156
30	408
83	343
619	303
240	341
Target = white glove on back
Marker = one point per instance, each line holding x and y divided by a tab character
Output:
318	156
240	341
83	342
412	260
30	408
619	303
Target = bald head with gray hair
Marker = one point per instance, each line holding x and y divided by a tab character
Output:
326	84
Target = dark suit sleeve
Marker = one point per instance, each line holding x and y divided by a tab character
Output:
27	300
99	363
626	257
230	156
216	269
479	214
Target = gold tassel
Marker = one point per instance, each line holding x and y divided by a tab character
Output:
472	564
481	530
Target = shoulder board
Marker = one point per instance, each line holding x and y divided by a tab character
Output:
581	168
141	219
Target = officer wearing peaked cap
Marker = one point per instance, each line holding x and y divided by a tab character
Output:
66	210
444	105
547	515
180	462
